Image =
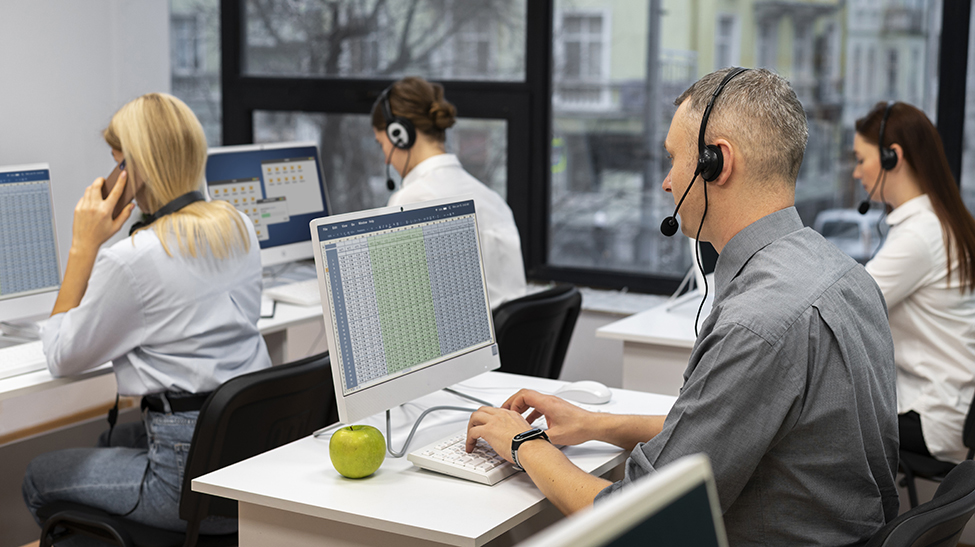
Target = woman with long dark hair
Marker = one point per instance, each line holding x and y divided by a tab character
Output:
926	270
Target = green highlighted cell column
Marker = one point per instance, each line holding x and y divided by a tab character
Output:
404	298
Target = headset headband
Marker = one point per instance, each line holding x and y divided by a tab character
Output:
707	110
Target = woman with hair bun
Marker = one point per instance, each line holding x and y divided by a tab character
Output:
174	307
926	270
410	120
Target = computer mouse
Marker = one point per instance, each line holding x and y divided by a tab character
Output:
587	392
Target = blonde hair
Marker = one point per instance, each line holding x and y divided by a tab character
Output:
164	146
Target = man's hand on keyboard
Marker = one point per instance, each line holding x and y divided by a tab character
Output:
497	426
567	423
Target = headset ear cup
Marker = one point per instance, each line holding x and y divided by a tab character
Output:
401	133
710	163
888	158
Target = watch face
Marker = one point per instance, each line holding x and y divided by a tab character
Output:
528	434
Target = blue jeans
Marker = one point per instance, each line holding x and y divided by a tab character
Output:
139	476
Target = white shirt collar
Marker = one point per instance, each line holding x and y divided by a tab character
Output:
909	208
424	167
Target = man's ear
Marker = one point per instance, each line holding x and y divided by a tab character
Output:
728	161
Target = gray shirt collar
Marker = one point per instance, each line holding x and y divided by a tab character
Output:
749	241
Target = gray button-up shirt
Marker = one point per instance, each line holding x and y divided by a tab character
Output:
790	392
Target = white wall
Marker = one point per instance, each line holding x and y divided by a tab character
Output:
65	68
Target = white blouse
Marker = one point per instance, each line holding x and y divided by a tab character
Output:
442	177
167	323
932	323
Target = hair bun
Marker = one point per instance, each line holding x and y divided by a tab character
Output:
443	114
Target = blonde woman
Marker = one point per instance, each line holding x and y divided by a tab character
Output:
174	307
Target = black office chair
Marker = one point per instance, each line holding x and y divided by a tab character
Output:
915	465
245	416
533	332
939	522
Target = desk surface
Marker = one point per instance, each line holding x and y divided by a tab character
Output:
285	316
403	499
670	324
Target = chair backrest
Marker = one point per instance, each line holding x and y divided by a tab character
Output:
938	522
968	432
533	332
251	414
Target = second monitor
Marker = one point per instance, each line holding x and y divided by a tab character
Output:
280	187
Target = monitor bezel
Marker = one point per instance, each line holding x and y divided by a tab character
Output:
372	400
289	252
613	517
36	302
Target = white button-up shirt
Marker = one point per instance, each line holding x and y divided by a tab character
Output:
167	323
443	177
933	325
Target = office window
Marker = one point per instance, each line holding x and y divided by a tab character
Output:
436	39
354	165
606	202
892	72
726	41
195	61
968	147
768	43
582	54
585	99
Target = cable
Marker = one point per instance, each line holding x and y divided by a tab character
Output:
389	428
469	397
700	265
883	215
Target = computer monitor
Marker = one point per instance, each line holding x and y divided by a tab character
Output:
677	506
30	268
280	187
405	303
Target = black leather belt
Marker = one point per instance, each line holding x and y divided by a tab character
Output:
177	403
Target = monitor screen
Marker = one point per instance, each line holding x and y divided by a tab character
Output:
405	303
30	268
674	507
278	186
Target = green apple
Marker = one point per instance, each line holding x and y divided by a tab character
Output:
357	450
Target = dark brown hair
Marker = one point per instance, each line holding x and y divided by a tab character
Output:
422	103
923	152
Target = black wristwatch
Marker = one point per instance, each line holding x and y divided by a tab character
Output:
520	438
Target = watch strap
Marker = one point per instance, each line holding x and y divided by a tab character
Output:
522	438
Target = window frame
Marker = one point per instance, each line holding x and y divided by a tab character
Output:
526	106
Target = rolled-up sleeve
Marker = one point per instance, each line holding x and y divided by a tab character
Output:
724	411
108	323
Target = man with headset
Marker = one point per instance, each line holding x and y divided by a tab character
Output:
790	385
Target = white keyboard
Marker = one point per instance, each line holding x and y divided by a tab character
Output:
450	457
21	359
301	293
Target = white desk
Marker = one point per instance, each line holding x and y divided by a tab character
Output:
275	329
657	344
292	495
54	398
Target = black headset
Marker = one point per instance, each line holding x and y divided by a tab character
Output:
169	208
710	161
888	160
399	130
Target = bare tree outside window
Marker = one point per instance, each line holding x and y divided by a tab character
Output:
436	39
